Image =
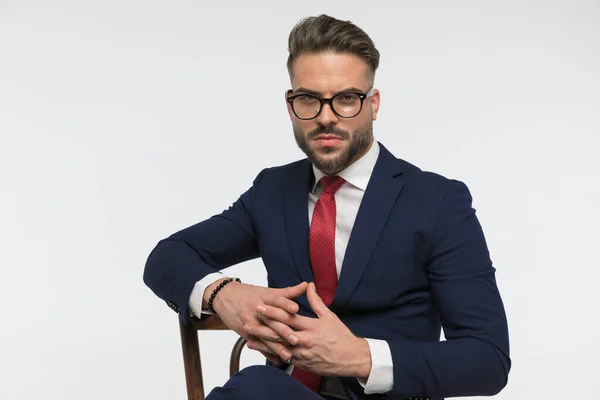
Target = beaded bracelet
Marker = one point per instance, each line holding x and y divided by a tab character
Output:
214	293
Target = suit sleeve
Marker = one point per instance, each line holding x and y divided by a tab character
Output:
474	358
182	259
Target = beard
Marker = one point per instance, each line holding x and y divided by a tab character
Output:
358	144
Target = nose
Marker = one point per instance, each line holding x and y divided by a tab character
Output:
327	116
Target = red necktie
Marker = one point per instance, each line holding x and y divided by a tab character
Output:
322	257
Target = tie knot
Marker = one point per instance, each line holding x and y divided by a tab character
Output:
331	184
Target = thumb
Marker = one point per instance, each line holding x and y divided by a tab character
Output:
316	303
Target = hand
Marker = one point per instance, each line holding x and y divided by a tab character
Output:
235	304
322	345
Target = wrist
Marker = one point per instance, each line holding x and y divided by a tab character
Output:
363	359
208	291
217	291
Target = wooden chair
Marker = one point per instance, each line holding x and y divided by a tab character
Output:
191	353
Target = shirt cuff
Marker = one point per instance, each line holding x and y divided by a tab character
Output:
381	378
197	295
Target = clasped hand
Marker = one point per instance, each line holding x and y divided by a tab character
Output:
322	345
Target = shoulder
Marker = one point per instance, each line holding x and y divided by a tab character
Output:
270	180
434	199
431	182
429	187
283	171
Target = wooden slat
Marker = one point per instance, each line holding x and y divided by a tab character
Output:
191	361
212	323
191	352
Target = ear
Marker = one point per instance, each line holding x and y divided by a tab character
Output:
289	106
375	101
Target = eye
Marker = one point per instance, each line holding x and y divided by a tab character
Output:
305	99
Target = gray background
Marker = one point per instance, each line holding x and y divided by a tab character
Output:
123	121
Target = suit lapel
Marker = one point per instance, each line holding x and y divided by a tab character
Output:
379	198
295	196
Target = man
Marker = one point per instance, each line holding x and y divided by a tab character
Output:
367	256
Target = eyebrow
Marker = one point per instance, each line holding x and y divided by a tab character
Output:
316	93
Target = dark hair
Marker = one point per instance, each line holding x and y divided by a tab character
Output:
314	35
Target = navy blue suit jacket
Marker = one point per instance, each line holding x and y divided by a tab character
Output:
417	261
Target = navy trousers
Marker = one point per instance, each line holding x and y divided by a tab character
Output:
262	382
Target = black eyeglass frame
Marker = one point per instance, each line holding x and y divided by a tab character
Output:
329	100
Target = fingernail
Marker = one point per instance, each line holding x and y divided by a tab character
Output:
293	339
261	309
286	354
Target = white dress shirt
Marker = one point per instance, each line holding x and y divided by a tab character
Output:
347	199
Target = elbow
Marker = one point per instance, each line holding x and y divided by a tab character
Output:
147	275
151	268
498	383
488	373
497	375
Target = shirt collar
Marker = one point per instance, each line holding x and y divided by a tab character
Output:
357	173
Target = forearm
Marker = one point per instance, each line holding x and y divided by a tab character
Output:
460	367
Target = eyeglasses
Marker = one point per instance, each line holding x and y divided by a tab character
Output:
344	104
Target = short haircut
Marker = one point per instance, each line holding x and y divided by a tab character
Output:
321	34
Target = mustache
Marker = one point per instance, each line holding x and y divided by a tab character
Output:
328	130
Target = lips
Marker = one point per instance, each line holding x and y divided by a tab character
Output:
327	137
328	140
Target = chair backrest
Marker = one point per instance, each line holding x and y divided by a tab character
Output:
191	353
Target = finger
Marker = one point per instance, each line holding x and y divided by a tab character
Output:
273	312
283	331
263	332
279	301
258	345
279	349
294	291
277	314
315	301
